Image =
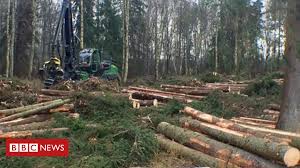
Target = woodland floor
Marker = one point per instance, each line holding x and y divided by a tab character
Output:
124	136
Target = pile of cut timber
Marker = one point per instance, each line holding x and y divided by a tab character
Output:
34	119
49	95
216	142
142	96
205	89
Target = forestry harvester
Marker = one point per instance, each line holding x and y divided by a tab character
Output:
64	65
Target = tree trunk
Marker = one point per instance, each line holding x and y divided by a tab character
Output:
213	148
81	25
156	43
24	39
8	39
126	39
289	119
216	51
197	157
12	44
33	39
265	148
236	48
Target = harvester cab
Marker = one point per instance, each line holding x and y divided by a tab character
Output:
91	64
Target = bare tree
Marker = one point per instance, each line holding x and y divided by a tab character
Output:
12	44
125	39
81	25
8	39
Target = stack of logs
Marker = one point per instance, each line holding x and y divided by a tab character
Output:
216	142
206	89
37	118
142	96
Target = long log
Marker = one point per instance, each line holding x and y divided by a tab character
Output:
63	108
226	84
196	157
239	121
56	92
258	120
159	97
180	87
275	107
214	148
164	92
31	119
31	126
35	110
196	92
25	108
270	117
265	148
272	112
294	137
29	133
201	116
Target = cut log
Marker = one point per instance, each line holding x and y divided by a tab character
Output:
196	157
197	92
214	148
273	132
180	87
56	92
201	116
270	117
225	84
159	97
35	110
265	148
275	107
31	126
258	120
25	108
164	92
63	108
74	115
31	119
29	133
138	103
271	112
272	126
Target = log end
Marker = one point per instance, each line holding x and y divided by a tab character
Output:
155	103
291	157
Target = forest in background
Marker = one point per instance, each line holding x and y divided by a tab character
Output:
169	37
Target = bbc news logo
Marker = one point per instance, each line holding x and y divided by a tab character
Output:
37	147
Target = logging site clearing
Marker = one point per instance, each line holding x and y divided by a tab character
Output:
176	122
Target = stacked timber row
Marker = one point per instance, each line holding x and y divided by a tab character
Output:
216	142
34	119
142	96
205	89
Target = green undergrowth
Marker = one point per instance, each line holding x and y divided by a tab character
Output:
109	134
229	105
263	87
